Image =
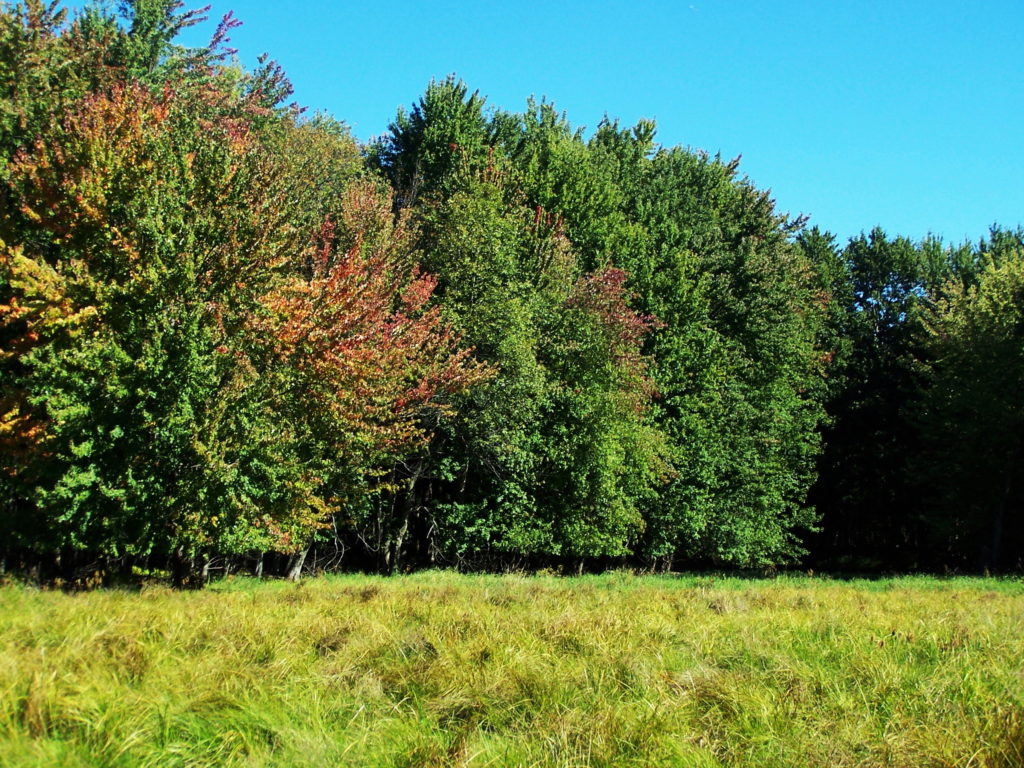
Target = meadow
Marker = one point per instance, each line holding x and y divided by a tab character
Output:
442	669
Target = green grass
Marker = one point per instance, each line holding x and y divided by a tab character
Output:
440	669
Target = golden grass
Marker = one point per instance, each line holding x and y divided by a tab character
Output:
440	669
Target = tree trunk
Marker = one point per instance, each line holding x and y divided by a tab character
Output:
183	571
258	570
409	505
999	514
395	560
295	564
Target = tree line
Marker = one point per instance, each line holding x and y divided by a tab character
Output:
232	336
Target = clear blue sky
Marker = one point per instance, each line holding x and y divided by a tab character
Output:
905	114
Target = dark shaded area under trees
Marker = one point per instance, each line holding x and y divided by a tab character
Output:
233	338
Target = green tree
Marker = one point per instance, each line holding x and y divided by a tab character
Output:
972	416
737	362
554	457
866	491
127	328
425	151
191	365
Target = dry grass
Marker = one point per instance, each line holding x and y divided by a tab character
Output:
440	669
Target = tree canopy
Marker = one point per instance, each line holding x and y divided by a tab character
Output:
486	339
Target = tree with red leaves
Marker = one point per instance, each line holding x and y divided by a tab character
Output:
189	367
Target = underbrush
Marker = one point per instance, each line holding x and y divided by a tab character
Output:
442	669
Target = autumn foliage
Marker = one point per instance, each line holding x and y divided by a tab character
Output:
187	367
366	349
232	336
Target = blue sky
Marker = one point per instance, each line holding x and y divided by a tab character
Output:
905	114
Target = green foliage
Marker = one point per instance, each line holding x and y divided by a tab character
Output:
554	455
486	339
972	416
738	368
425	149
153	429
897	485
164	313
733	361
876	285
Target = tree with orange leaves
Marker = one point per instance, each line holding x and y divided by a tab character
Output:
187	367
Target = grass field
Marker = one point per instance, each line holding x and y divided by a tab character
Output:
440	669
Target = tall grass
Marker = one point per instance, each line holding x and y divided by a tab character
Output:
441	669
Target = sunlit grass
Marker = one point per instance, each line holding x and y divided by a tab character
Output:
442	669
